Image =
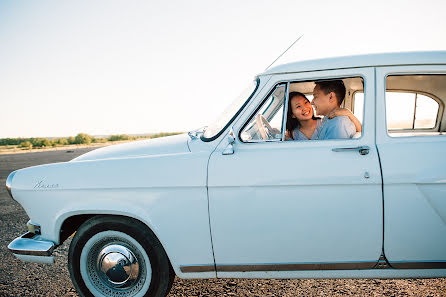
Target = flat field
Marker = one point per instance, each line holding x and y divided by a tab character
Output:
28	279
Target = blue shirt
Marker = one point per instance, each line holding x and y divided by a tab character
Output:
335	128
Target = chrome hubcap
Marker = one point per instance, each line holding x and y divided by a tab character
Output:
118	266
114	264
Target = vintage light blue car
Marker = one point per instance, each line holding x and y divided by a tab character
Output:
236	199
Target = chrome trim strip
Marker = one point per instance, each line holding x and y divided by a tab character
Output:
280	267
30	244
299	266
9	182
418	265
198	268
313	266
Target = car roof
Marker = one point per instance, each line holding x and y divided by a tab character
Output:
370	60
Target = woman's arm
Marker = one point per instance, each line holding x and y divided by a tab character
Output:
345	112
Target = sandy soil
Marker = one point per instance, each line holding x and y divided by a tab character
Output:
29	279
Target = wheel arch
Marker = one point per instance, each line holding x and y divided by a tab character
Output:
71	219
71	223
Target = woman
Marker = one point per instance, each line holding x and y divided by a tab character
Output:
302	124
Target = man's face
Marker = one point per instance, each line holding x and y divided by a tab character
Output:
321	101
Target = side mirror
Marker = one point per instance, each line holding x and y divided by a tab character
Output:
229	150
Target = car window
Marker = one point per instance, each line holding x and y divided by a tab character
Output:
426	112
266	124
413	104
410	111
341	125
405	110
280	115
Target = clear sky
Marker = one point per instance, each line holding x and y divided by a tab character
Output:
110	67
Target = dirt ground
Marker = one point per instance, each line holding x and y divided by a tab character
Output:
28	279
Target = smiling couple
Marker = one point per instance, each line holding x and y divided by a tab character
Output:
302	124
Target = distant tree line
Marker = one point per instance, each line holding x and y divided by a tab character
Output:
81	138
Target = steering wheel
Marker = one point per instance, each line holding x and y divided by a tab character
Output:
265	129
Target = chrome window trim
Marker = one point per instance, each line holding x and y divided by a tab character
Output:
268	94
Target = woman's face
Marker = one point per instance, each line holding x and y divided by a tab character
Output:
301	108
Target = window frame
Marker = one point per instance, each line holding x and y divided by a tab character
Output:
256	110
441	106
285	109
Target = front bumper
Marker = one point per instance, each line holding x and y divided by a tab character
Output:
31	248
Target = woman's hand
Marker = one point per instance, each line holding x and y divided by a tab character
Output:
346	112
338	112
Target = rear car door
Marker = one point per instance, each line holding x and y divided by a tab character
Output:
412	145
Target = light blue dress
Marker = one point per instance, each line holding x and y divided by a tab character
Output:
297	135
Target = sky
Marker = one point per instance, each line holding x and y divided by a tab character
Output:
131	67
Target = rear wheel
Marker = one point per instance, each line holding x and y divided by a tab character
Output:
116	256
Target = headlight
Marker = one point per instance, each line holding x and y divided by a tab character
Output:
9	182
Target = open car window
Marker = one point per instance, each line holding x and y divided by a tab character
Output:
274	119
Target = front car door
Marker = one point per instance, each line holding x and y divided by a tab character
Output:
282	207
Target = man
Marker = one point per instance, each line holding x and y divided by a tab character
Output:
327	97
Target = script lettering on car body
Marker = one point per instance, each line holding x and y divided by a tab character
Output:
42	185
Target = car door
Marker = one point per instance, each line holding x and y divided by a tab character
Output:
413	164
296	205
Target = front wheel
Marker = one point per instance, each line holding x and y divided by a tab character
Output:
116	256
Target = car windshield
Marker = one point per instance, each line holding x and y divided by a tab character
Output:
213	131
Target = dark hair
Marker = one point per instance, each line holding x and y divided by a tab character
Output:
291	122
335	86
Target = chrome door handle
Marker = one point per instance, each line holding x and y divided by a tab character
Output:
363	150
